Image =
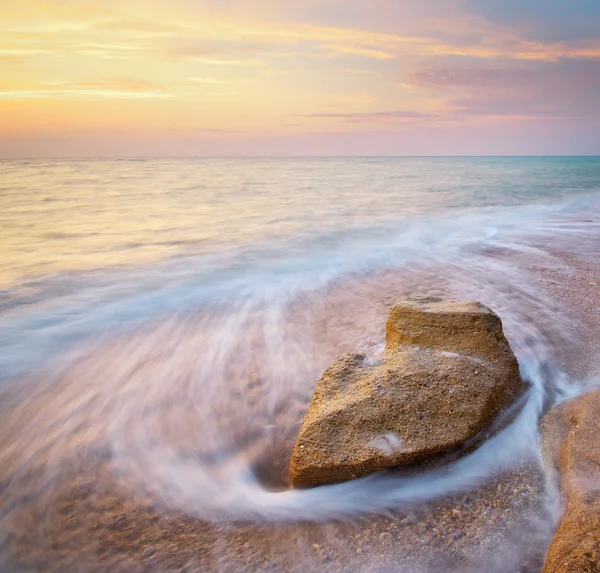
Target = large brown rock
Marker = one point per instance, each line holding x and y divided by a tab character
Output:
571	446
446	372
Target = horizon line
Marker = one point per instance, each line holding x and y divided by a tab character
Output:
147	157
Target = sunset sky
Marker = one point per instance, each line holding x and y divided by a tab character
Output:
312	77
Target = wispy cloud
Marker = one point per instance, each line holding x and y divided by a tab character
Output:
120	84
216	131
118	47
24	52
13	62
374	116
552	89
141	29
228	61
363	51
90	94
102	89
205	80
356	72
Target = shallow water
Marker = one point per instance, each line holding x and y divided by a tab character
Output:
174	316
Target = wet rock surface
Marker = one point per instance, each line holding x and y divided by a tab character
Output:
571	448
446	373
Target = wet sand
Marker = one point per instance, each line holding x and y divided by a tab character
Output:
86	516
84	524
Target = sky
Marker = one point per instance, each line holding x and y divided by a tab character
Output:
130	78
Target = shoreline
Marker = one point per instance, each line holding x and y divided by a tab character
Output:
85	520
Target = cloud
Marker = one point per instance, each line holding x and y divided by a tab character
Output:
209	131
550	89
50	26
91	94
540	20
13	62
106	55
24	52
357	72
119	84
145	29
92	90
204	80
229	62
212	86
470	77
487	43
212	130
196	48
213	52
364	51
64	41
118	47
373	116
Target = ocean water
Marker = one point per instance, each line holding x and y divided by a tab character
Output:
176	314
87	245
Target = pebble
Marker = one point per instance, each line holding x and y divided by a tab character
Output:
84	488
120	520
149	552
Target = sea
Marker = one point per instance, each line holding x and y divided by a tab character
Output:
173	316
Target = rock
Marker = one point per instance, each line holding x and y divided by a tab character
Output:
446	372
571	449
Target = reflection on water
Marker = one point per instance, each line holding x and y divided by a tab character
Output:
76	215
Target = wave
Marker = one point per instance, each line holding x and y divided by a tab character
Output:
201	404
46	315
